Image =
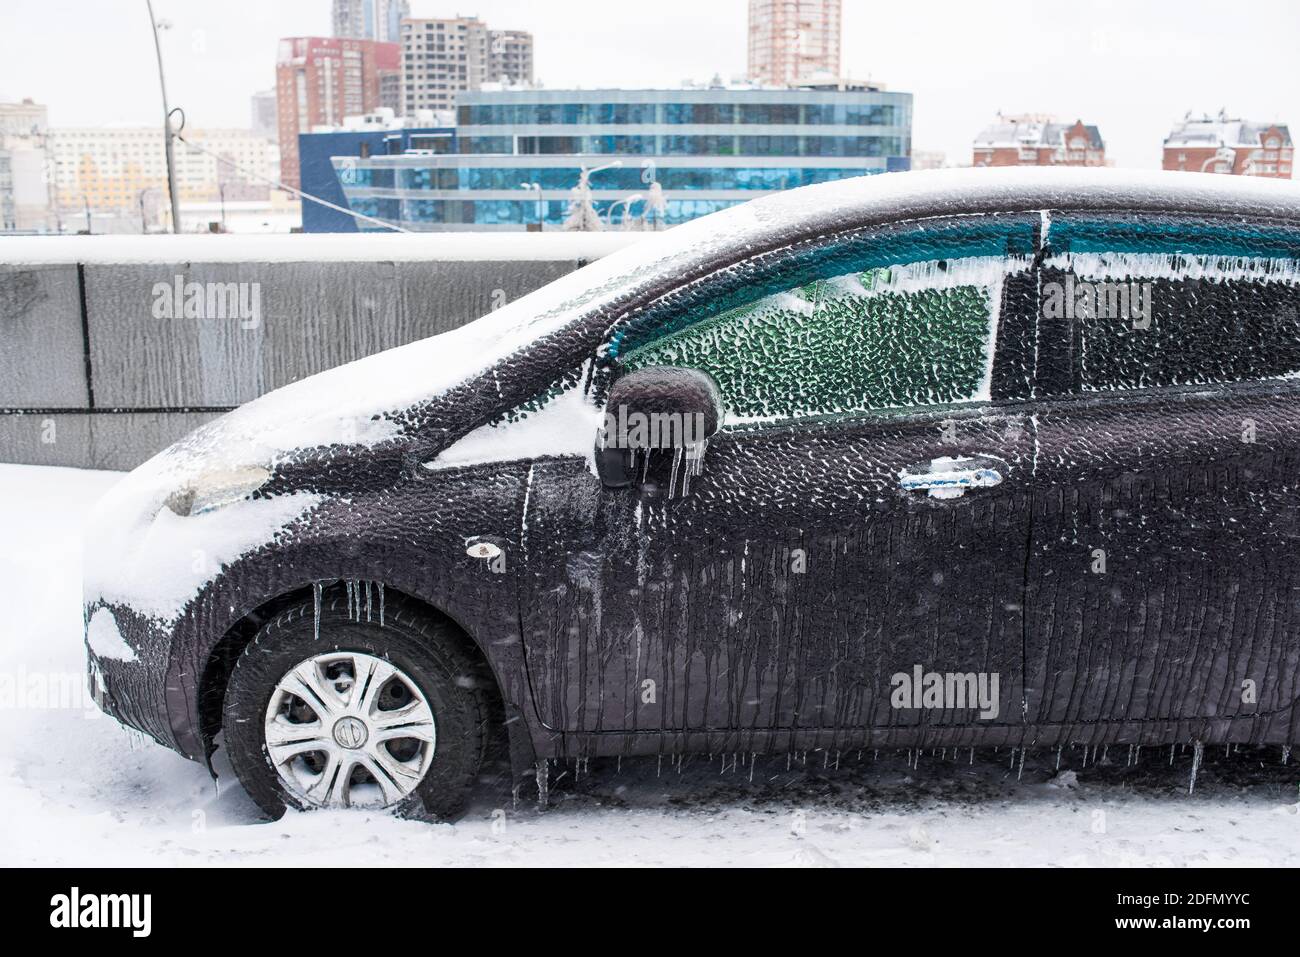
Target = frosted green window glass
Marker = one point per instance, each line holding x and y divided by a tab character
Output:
899	337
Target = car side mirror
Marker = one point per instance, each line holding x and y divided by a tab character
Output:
658	422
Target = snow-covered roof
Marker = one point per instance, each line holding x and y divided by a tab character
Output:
1012	133
1212	133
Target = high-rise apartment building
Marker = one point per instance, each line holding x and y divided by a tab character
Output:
441	58
321	80
370	19
1220	144
793	41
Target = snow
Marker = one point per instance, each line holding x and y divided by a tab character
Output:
105	638
177	555
78	790
317	247
564	426
1176	267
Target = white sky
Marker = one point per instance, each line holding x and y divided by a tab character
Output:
1130	66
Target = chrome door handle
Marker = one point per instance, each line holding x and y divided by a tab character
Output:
947	478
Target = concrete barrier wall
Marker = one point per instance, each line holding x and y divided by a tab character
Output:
101	366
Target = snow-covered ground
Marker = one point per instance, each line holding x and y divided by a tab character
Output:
76	789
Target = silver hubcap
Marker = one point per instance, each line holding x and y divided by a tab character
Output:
347	729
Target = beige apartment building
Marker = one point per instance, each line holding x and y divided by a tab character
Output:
441	58
121	168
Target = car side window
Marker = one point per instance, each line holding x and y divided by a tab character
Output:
913	325
1150	302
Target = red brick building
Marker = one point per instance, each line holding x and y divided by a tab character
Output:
1032	140
1235	147
321	80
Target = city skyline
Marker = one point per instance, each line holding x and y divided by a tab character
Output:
1041	59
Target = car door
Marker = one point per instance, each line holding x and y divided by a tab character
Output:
1162	581
863	513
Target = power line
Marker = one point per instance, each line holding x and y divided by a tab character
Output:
287	188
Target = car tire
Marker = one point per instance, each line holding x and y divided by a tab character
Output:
428	667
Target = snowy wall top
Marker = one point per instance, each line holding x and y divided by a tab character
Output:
323	247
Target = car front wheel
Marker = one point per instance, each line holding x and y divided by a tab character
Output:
351	707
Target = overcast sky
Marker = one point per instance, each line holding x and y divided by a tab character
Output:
1130	66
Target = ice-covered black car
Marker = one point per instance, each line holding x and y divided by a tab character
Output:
939	459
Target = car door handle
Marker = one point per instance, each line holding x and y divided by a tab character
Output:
947	478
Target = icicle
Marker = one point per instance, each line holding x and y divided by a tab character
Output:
751	767
543	783
678	454
1286	753
380	585
1198	750
972	756
619	768
514	797
368	600
316	590
1013	759
1058	757
1173	749
837	760
1128	762
1021	772
659	768
348	585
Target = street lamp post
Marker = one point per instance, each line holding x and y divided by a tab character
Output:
626	203
584	207
167	121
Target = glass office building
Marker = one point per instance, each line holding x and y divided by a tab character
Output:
515	156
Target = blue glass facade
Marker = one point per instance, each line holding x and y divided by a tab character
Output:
704	149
